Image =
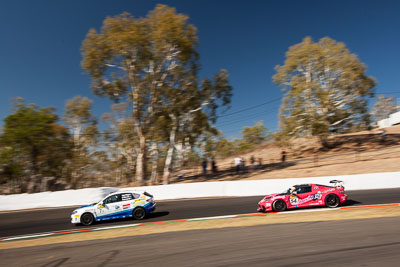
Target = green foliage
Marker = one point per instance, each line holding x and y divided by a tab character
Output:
254	135
224	148
327	89
32	140
251	137
281	139
78	111
10	169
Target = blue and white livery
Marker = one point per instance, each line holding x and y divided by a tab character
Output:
136	204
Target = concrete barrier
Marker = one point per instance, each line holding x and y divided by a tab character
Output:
196	190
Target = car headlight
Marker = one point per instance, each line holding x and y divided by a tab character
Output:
74	212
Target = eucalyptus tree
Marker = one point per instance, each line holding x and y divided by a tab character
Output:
79	117
192	110
327	89
131	59
83	125
254	135
152	62
383	107
120	139
33	144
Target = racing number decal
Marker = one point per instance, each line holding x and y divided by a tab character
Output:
294	200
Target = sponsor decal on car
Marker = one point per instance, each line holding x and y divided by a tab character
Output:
126	206
294	200
117	207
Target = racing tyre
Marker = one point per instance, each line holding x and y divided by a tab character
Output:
87	219
139	213
332	201
279	205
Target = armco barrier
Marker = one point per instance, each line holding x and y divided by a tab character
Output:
195	190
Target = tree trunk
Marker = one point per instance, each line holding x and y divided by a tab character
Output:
154	165
168	159
179	152
186	151
140	161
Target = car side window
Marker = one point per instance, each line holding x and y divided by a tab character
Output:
304	189
126	196
113	199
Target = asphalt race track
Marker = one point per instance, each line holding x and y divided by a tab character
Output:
57	219
336	243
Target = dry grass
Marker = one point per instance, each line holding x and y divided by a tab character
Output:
332	215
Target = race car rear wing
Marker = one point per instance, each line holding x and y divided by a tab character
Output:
337	183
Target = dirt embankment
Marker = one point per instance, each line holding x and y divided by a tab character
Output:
355	153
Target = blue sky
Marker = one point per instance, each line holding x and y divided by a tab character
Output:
40	46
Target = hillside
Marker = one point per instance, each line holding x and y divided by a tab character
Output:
355	153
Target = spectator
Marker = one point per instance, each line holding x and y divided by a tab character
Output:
214	168
204	165
283	158
252	161
259	162
238	162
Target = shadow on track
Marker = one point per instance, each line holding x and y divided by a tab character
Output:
153	215
351	202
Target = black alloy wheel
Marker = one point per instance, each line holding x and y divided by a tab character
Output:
87	219
332	201
139	213
279	205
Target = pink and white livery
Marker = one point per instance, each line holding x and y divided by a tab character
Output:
305	195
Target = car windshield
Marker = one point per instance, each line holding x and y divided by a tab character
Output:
288	191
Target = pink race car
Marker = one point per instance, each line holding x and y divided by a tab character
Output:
305	195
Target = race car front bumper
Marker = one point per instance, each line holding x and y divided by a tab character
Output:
75	218
264	207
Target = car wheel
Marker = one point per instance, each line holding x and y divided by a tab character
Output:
87	219
139	213
332	201
279	205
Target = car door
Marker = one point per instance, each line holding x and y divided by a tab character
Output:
111	207
127	204
304	194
